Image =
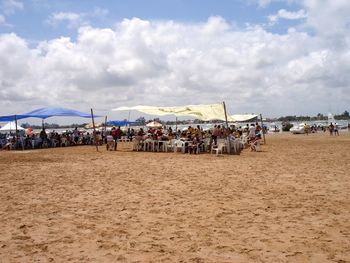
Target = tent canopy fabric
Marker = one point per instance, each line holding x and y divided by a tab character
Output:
44	113
120	123
11	126
203	112
9	118
244	117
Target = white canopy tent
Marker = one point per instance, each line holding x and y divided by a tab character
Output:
244	117
11	126
203	112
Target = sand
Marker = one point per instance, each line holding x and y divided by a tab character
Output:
289	203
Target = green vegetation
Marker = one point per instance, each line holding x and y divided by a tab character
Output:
286	126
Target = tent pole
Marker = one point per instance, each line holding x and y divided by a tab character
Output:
16	128
128	120
105	132
176	125
262	128
93	124
229	143
223	103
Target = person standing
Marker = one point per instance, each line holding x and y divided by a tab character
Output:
43	137
306	129
215	134
336	129
257	129
117	135
76	136
331	129
251	132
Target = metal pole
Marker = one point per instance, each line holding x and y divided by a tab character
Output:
16	130
262	128
223	103
176	125
16	127
105	132
227	137
93	125
128	125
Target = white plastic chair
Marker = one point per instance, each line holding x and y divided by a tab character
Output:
179	145
170	145
137	145
218	149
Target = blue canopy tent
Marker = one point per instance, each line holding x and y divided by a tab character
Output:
47	112
120	123
44	113
9	118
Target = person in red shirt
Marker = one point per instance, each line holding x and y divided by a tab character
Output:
116	134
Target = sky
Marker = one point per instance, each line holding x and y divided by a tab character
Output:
275	57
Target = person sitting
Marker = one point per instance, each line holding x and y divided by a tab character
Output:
193	146
10	144
255	145
110	142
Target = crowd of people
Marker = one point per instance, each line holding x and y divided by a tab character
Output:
44	139
332	128
196	138
199	138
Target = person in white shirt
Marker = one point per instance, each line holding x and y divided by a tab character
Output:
251	134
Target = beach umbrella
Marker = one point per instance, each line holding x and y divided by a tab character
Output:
154	124
29	131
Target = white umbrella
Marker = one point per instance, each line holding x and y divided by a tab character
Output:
154	124
11	126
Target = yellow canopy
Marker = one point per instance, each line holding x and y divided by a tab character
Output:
202	112
205	112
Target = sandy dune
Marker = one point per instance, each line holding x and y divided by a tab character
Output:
289	203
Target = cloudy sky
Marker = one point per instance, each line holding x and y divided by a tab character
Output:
275	57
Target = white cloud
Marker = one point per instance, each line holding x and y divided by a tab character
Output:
2	20
171	63
11	6
75	20
100	12
284	14
264	3
72	19
292	15
328	17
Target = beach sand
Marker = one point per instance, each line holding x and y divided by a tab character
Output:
288	203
